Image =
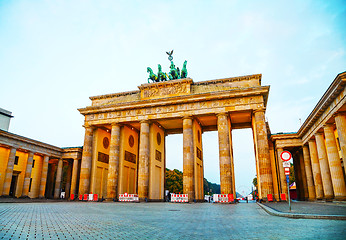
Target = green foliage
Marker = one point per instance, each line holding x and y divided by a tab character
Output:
174	181
254	182
211	188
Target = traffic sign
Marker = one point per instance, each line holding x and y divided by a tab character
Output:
287	171
286	164
286	156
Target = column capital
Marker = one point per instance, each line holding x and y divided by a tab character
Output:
187	117
259	110
339	114
328	125
115	124
222	114
89	126
144	121
318	134
311	140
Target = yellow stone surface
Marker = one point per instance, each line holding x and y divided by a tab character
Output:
325	172
143	160
114	156
334	163
156	163
308	171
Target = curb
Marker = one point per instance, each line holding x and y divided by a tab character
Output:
274	212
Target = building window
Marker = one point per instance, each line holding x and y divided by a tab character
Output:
16	159
30	185
33	163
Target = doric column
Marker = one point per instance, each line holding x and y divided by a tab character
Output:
316	171
325	172
58	179
9	172
224	154
263	154
308	173
43	177
143	161
336	172
114	153
68	180
282	173
26	184
304	184
340	121
84	182
74	176
188	159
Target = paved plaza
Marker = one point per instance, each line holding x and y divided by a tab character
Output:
89	220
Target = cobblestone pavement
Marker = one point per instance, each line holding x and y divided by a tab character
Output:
73	220
319	208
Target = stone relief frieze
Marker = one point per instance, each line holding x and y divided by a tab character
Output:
235	103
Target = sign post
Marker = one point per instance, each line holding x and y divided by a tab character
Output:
286	156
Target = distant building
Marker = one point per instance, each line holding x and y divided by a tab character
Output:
5	118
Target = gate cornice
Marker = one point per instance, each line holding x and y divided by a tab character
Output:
176	100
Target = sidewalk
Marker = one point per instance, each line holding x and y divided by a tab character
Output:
29	200
310	210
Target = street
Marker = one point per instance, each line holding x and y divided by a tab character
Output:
89	220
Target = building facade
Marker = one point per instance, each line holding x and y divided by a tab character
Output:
29	168
124	144
319	147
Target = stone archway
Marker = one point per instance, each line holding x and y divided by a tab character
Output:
131	122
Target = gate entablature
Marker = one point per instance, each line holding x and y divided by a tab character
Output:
178	98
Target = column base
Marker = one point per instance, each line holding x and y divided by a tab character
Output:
340	198
6	196
111	200
24	197
329	198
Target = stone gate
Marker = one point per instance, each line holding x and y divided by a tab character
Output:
124	145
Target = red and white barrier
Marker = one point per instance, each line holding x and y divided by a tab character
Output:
223	198
179	198
88	197
128	197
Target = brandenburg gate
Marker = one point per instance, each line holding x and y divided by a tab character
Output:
124	144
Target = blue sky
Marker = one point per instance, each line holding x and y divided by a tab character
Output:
55	54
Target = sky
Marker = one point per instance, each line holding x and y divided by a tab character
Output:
54	55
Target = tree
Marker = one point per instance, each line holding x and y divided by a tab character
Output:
174	181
